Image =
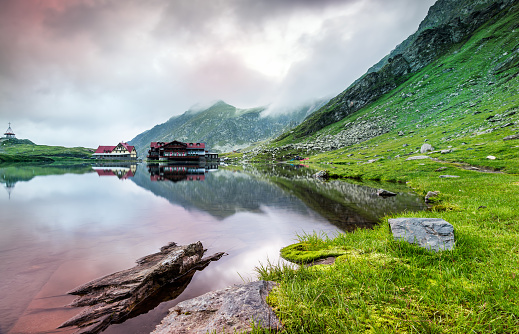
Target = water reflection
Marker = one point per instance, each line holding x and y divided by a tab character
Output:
121	170
64	226
179	172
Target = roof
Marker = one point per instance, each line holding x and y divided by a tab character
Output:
128	147
189	145
9	131
109	149
104	149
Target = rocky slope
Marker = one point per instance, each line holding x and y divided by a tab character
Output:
223	127
448	24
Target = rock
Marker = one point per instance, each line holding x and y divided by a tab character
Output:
440	169
128	293
385	193
426	148
429	233
401	133
322	174
418	157
491	157
230	310
445	151
448	176
512	137
430	195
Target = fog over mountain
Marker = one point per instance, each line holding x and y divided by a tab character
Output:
91	72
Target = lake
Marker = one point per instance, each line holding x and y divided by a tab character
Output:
64	226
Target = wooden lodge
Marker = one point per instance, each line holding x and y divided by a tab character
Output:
179	151
122	151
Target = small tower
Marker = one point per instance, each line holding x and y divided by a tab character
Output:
9	132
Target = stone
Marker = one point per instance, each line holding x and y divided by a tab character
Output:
491	157
445	151
512	137
418	157
426	148
401	133
448	176
322	174
440	169
385	193
230	310
157	277
430	233
430	195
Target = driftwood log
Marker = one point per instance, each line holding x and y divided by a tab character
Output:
157	277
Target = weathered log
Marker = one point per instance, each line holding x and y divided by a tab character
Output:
157	277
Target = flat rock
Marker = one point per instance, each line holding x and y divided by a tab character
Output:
430	233
491	157
449	176
322	174
418	157
230	310
157	277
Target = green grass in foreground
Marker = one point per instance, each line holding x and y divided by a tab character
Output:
378	285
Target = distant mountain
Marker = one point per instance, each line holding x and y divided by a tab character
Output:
223	127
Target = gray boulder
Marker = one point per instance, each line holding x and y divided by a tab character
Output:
430	233
430	195
426	148
512	137
230	310
322	174
385	193
449	176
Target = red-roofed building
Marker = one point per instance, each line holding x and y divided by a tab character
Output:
122	151
176	151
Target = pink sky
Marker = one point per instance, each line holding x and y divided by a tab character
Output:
96	72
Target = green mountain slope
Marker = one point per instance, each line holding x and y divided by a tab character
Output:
448	25
222	127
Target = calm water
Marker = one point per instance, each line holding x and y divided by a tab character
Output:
62	227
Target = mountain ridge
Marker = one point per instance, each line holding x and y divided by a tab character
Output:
223	127
435	36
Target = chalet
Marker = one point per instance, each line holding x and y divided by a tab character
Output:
122	151
178	151
9	132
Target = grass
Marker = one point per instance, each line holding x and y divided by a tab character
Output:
466	102
16	151
379	285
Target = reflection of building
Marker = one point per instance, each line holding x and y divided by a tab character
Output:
177	172
179	151
122	151
122	172
9	132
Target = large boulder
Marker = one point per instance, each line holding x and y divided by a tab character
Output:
230	310
430	233
426	148
157	277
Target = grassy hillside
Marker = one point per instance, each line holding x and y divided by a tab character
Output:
466	105
23	150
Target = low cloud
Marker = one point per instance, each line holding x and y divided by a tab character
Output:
90	72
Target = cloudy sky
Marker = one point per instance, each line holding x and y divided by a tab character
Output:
97	72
